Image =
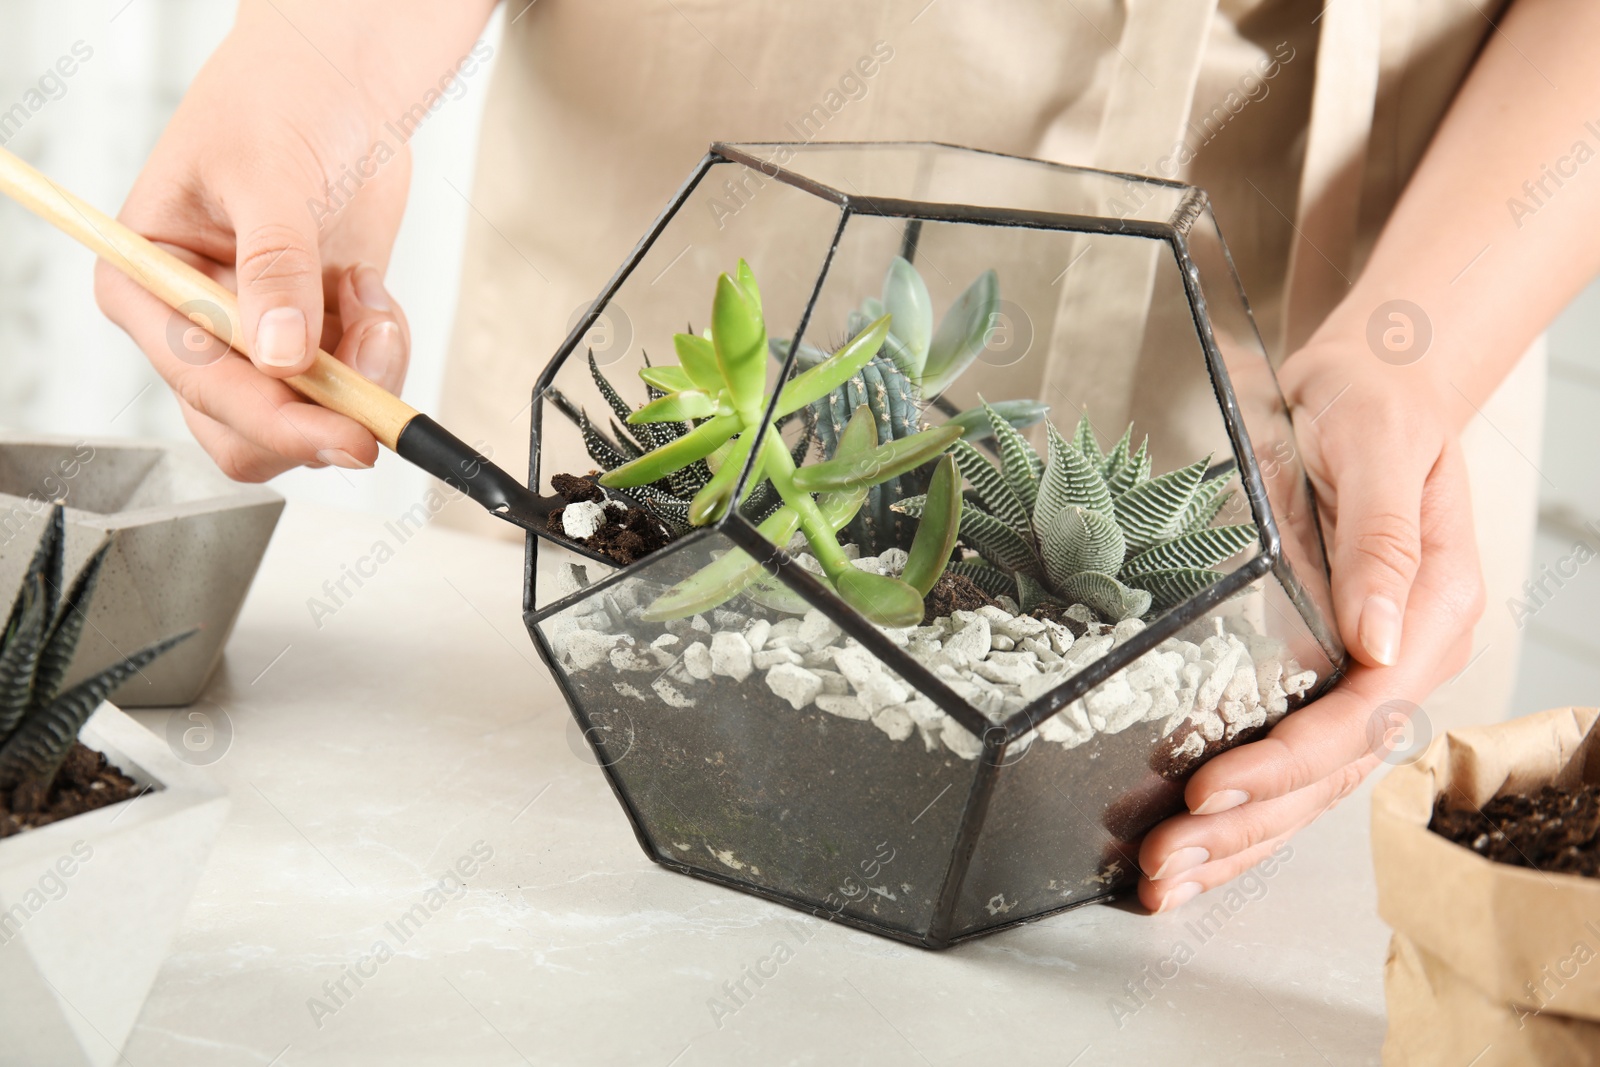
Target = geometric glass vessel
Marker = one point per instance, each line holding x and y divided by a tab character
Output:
937	782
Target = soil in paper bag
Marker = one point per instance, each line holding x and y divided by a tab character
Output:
1555	829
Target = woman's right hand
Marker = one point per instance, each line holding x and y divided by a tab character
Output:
282	177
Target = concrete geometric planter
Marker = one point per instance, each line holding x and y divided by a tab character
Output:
89	905
188	543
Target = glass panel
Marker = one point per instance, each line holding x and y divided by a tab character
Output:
782	232
943	175
1074	798
1266	420
1092	324
765	748
560	572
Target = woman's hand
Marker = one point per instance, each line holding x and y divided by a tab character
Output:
1380	440
283	177
1407	589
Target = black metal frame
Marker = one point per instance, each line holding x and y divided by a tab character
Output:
1270	558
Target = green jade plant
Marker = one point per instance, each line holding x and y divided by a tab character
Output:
38	722
1084	528
720	386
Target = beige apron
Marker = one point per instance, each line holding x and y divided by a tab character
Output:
600	108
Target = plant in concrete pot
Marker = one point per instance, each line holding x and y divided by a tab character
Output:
39	723
773	722
103	837
185	544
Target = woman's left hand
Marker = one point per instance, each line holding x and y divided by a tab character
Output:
1393	488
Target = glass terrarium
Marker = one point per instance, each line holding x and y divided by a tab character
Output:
795	684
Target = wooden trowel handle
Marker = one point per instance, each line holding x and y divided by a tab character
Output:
198	298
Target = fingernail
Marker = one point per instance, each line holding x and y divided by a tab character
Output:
1184	859
369	288
1380	629
1181	894
1221	800
340	458
281	337
380	353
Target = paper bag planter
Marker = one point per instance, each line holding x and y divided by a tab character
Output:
1489	960
1001	760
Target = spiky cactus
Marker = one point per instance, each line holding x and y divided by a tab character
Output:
1084	528
917	364
39	722
720	383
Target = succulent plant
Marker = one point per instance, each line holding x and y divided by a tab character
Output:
1082	527
39	722
719	385
917	363
895	385
668	497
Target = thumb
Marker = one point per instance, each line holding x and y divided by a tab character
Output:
1377	548
279	279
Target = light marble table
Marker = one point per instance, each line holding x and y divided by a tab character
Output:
411	727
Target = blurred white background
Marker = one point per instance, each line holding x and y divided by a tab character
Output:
64	369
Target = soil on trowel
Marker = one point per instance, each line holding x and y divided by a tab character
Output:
1555	829
951	593
624	536
573	488
85	782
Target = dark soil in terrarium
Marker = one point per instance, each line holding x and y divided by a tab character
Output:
795	802
744	787
1052	611
1556	829
951	593
85	782
624	537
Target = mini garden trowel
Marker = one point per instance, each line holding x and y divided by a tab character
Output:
412	435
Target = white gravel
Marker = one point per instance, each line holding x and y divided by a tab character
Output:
580	520
1202	691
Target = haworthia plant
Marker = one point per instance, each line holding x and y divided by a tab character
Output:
668	498
1079	526
39	722
723	378
918	361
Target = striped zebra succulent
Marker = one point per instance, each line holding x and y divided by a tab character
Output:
667	498
38	721
1082	527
